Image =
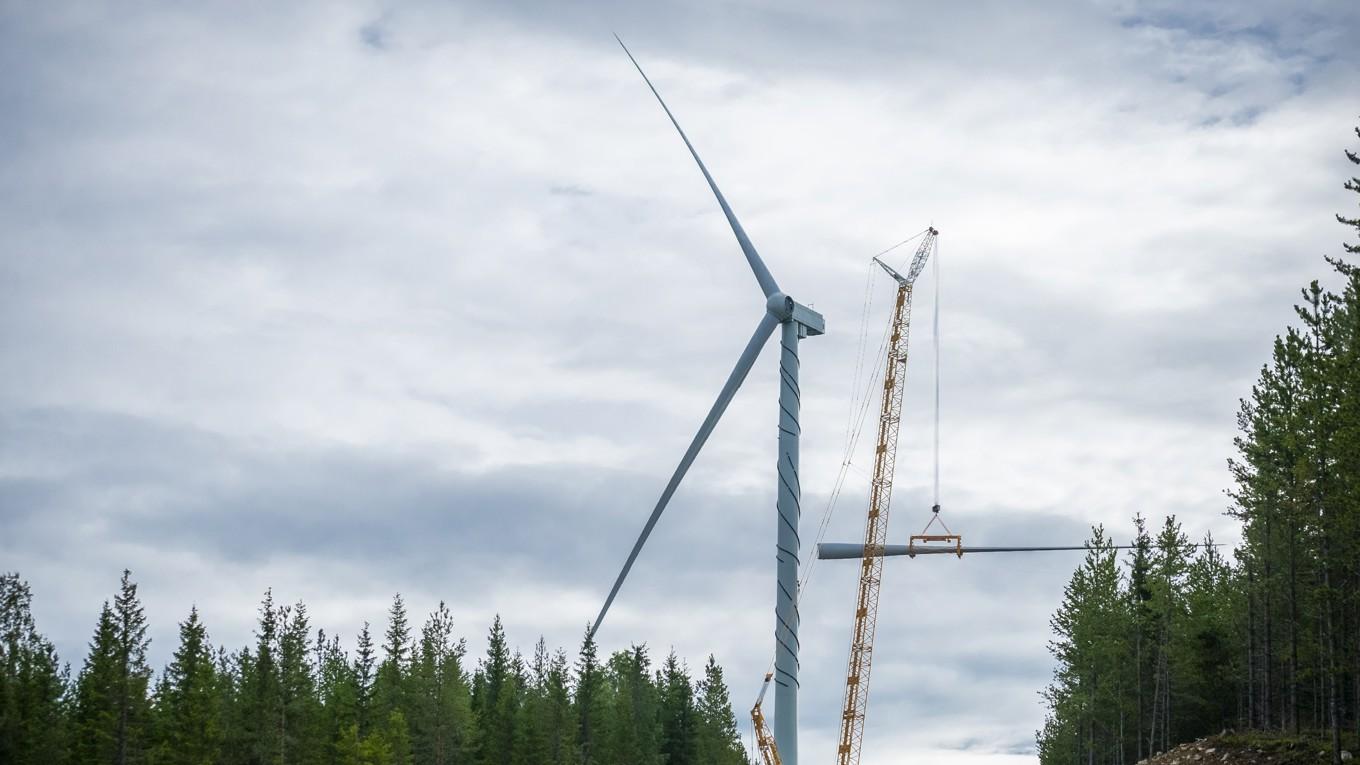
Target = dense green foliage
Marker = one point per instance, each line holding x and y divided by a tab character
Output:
1181	643
297	697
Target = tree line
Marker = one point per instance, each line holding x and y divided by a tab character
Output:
1176	644
297	697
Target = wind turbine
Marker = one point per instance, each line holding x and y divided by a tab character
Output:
795	322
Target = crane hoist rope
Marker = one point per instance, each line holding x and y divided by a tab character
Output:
859	404
876	524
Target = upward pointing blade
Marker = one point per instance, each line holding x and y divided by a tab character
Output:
767	282
729	389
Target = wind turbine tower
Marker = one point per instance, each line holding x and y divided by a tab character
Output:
795	322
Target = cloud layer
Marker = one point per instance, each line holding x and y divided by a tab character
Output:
350	299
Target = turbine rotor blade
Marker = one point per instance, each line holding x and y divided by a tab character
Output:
734	380
847	551
767	282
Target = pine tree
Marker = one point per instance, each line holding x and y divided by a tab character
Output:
493	699
300	737
338	692
559	721
189	729
678	715
1139	594
531	721
364	659
1087	697
112	706
441	705
235	673
589	702
719	742
1208	690
33	687
389	686
265	699
634	709
96	709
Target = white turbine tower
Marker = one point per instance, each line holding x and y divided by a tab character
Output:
796	322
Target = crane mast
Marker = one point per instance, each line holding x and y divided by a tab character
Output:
876	525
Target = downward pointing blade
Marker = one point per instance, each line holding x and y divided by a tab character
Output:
767	282
729	389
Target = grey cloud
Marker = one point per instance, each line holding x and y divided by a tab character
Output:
277	310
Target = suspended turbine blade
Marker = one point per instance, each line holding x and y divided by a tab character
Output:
767	282
748	357
846	550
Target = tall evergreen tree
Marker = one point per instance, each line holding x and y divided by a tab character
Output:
589	702
389	685
33	687
719	742
189	729
338	693
364	671
679	719
635	711
440	703
113	708
300	737
493	698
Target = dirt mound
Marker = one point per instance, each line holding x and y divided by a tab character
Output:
1250	749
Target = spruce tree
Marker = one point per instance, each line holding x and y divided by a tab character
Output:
558	718
189	729
440	711
96	707
338	692
364	659
678	715
113	708
33	687
531	720
634	709
719	742
494	696
589	702
389	685
300	737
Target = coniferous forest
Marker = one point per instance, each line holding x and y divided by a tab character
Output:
1176	642
407	696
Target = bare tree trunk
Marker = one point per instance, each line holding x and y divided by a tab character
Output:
1269	658
1332	673
1251	646
1138	674
1293	630
1156	696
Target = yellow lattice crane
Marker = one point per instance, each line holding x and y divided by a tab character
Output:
769	754
876	525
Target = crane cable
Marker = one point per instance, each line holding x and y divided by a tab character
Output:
855	424
935	332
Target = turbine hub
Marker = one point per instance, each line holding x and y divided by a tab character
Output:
786	309
780	306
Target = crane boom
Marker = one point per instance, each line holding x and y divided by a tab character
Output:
769	753
876	525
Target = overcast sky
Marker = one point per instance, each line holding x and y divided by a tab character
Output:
349	299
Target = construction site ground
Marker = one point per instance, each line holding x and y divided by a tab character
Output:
1257	748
